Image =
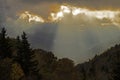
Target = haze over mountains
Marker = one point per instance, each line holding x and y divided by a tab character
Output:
59	39
77	37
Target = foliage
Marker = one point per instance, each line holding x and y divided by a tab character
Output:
25	56
5	50
5	69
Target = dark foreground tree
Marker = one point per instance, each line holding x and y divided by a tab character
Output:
4	45
83	73
5	69
116	70
25	56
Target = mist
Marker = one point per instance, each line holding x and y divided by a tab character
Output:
79	38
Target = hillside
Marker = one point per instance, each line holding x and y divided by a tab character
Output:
101	67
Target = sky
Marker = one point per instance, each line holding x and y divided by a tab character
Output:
77	29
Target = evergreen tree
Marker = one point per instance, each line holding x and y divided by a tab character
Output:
25	56
5	50
19	56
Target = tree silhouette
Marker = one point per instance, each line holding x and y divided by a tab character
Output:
83	73
116	70
25	56
5	50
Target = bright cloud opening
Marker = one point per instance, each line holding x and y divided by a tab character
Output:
31	17
64	10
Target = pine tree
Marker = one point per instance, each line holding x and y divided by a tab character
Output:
5	50
25	56
19	56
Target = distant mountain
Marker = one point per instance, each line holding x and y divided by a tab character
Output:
101	67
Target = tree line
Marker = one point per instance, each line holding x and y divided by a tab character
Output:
21	62
23	53
18	61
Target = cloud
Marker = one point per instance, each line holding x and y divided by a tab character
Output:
85	3
43	7
44	36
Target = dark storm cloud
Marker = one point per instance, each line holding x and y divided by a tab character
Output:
86	3
44	36
38	1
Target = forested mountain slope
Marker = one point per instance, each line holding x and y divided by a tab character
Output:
102	67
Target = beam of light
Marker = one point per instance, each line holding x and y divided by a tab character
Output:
31	17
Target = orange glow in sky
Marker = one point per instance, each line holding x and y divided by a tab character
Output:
74	11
